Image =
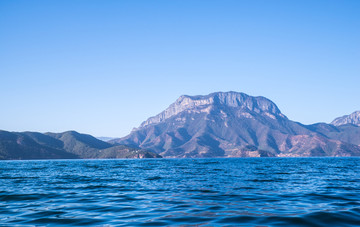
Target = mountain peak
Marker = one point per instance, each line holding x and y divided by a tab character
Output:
353	118
204	103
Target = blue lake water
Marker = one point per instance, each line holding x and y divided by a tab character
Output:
181	192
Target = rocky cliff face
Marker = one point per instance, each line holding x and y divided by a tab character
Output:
199	104
353	118
231	124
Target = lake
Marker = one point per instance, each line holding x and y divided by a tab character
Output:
181	192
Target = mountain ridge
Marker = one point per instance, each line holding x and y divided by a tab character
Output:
235	99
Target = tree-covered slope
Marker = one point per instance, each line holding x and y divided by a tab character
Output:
67	145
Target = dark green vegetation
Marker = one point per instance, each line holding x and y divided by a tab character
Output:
67	145
231	124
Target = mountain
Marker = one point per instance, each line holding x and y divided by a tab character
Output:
353	118
22	146
82	145
232	124
67	145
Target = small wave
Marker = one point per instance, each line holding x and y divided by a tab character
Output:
154	178
25	197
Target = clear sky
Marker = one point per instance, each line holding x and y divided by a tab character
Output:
103	67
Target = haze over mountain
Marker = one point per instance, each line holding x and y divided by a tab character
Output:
105	139
232	124
67	145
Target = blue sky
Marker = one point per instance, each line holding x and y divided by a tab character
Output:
103	67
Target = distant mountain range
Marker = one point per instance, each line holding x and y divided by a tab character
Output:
221	124
67	145
232	124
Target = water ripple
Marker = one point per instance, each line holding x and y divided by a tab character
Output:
181	192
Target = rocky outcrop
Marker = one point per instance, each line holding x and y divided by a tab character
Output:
353	118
